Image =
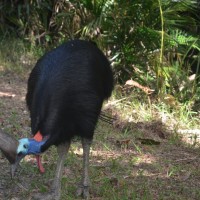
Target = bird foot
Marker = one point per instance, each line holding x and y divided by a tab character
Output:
83	191
46	196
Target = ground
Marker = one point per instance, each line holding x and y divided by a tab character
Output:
141	160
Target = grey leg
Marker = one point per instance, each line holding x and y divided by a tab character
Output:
84	186
62	152
56	187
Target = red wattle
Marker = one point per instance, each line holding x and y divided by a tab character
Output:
38	137
39	163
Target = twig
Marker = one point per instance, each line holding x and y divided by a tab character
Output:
185	159
5	94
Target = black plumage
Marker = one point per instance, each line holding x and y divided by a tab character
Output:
66	90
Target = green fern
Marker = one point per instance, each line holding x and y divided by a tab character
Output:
179	37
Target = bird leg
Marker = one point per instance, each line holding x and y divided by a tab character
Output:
56	187
83	188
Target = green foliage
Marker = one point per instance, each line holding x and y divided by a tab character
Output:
156	43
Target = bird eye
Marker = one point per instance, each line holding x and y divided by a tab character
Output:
25	146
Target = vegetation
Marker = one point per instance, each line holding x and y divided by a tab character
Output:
154	49
156	43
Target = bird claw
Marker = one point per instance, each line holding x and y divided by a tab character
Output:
83	191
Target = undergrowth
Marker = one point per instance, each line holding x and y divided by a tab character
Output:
17	56
134	107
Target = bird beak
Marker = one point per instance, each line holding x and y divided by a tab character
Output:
9	145
15	164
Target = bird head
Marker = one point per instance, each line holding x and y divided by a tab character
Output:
26	146
15	150
29	146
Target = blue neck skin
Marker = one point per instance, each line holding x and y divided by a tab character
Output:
29	146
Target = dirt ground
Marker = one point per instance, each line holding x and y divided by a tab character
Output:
144	161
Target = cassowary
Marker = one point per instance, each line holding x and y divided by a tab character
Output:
66	90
